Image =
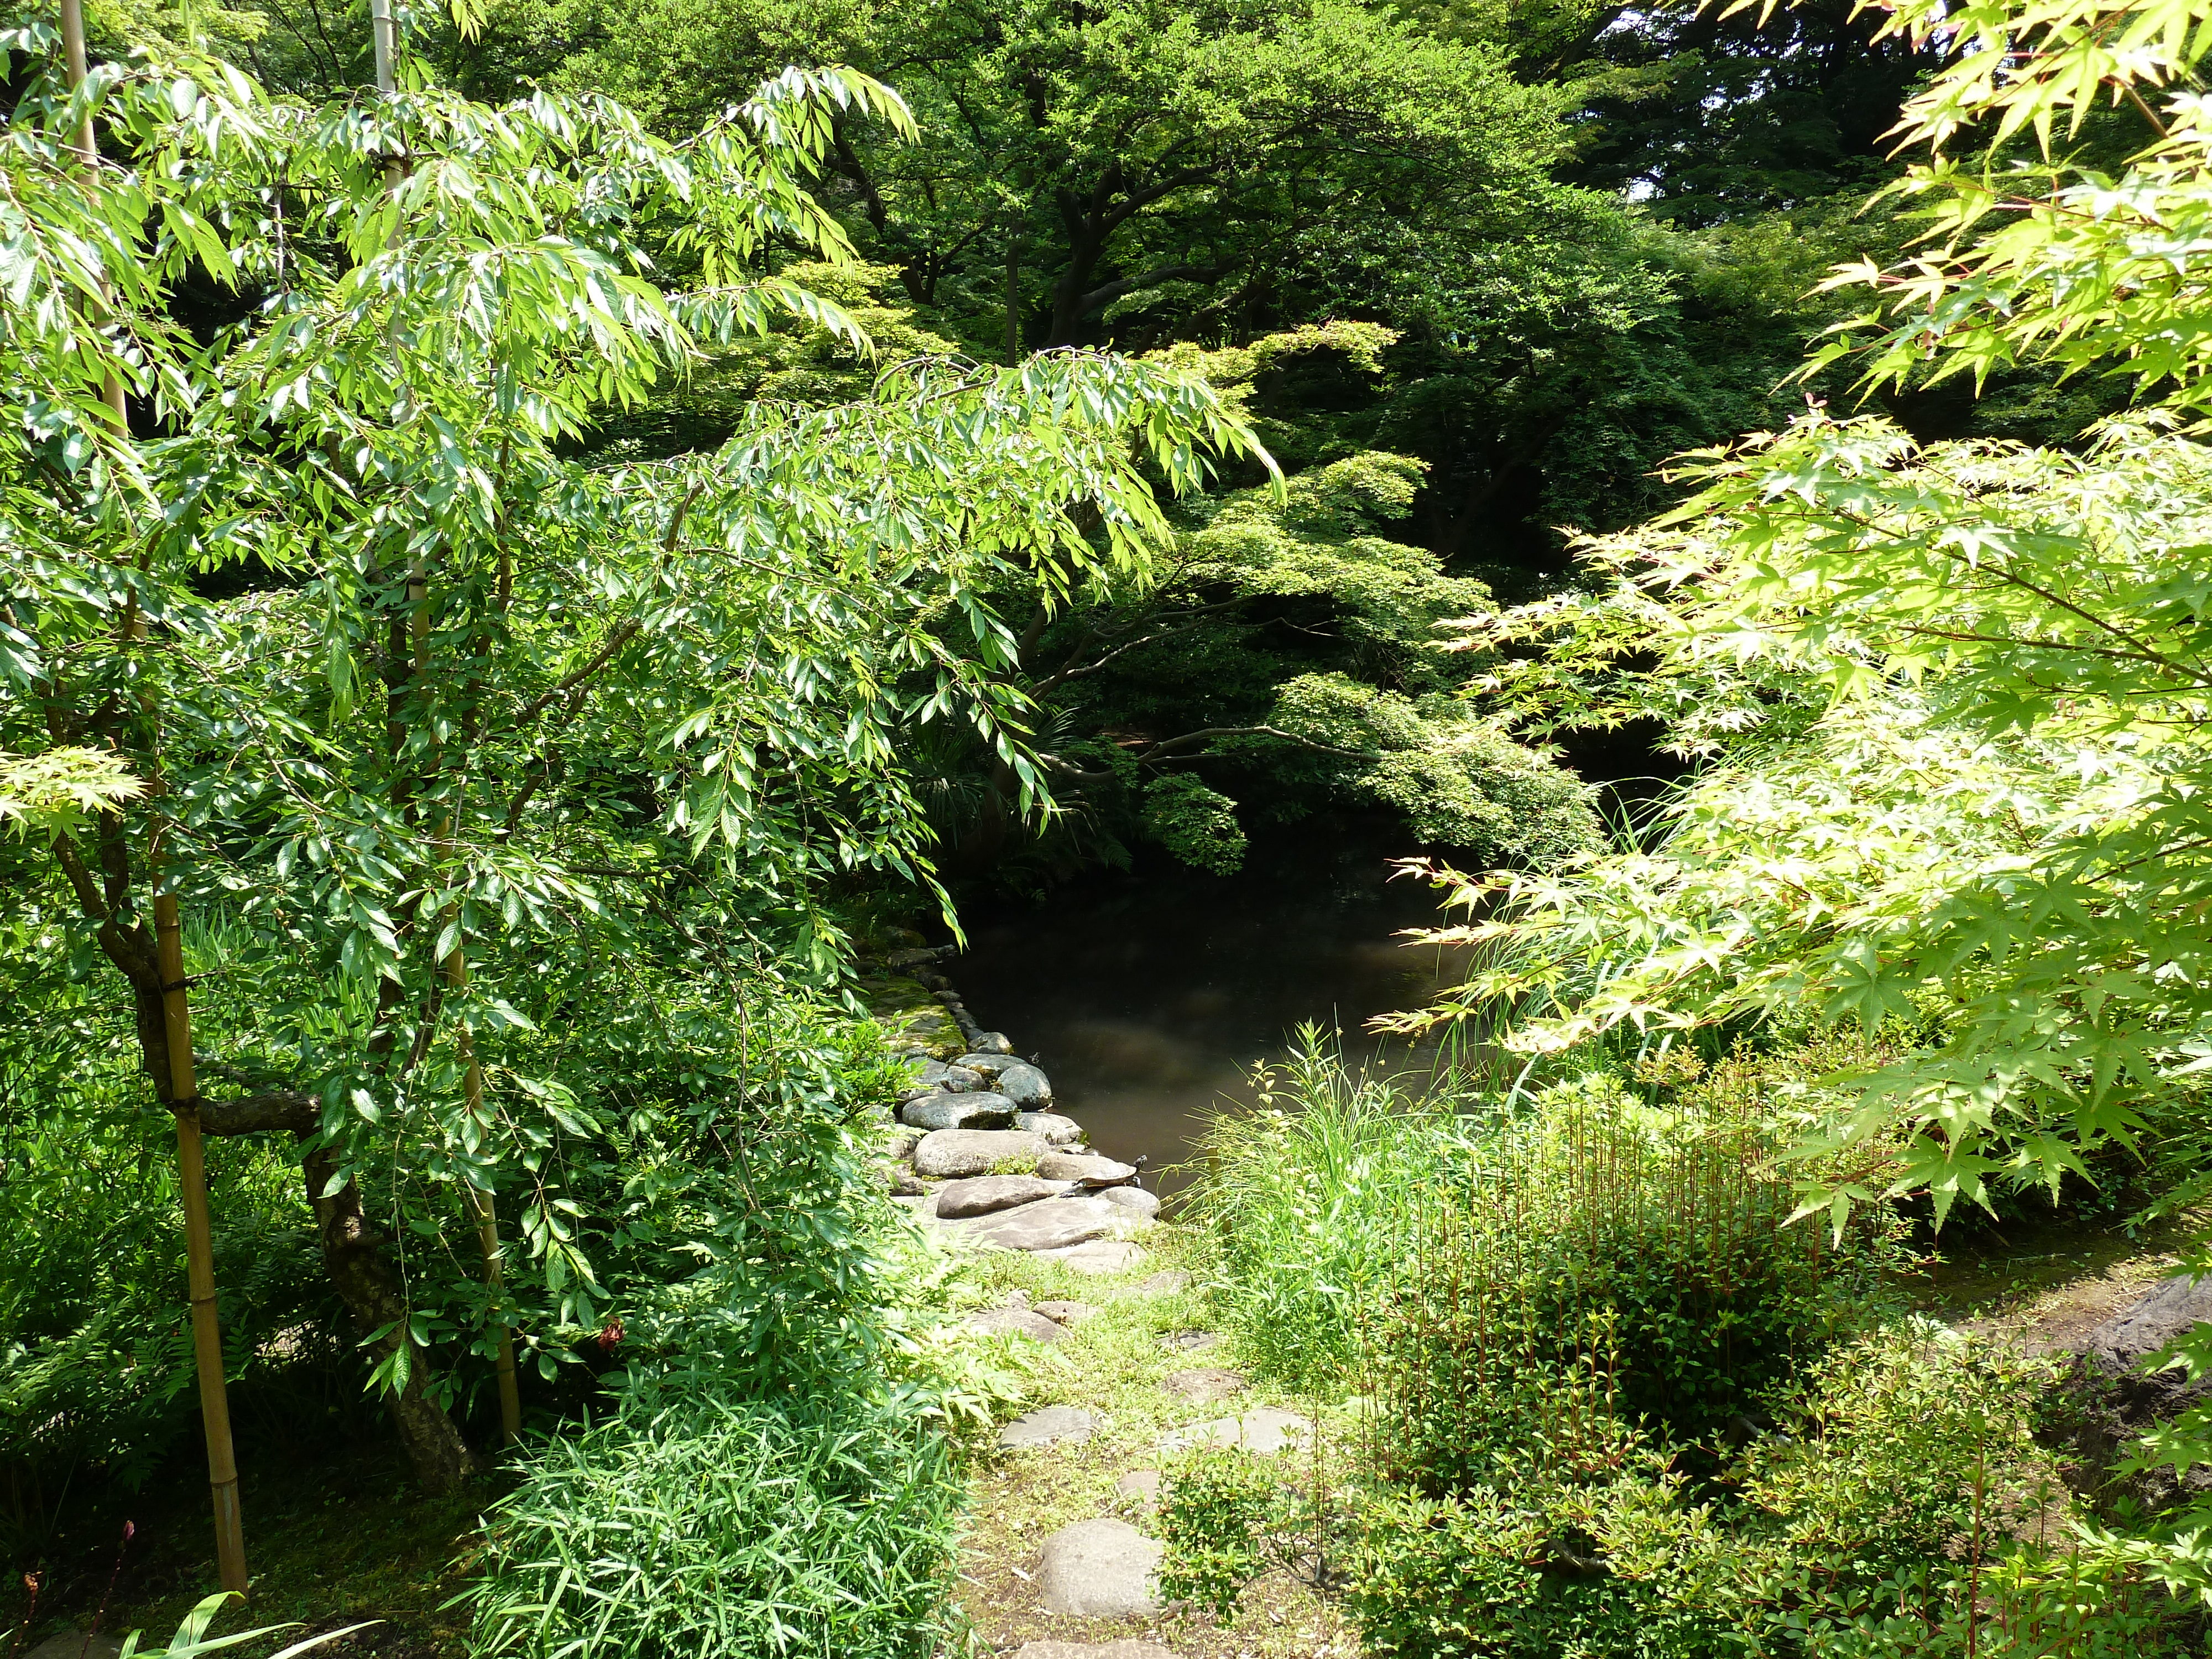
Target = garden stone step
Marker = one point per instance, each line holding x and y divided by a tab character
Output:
1172	1282
1047	1425
1101	1255
1203	1386
1099	1570
1135	1199
1190	1341
1059	1130
982	1194
1265	1430
1018	1321
1067	1313
1088	1168
980	1110
1049	1225
1124	1649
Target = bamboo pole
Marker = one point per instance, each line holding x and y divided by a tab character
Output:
184	1084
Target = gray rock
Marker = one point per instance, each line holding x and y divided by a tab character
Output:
1025	1084
905	1183
968	1111
936	1077
1086	1167
1067	1313
1059	1130
1264	1430
982	1195
1100	1256
902	1142
950	1154
1047	1425
1190	1341
2118	1402
1133	1199
991	1042
1129	1649
1141	1485
1205	1386
986	1065
1050	1224
1171	1282
1016	1322
76	1644
1099	1570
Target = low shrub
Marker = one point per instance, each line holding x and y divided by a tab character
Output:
720	1529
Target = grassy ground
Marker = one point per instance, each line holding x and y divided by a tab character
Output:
1112	1365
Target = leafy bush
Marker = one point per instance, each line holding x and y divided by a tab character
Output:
721	1529
1218	1518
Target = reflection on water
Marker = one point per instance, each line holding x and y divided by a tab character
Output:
1148	1000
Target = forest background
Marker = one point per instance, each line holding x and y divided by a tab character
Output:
1470	276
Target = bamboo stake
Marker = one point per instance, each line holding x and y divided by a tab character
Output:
184	1084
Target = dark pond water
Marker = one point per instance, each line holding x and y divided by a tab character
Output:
1148	1000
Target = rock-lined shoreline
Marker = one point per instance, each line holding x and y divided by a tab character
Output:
976	1149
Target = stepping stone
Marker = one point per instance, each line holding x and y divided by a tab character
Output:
1141	1486
1172	1282
951	1154
1067	1313
1051	1225
76	1644
980	1110
982	1195
1203	1386
1104	1255
986	1065
1059	1130
1016	1322
1135	1199
1047	1425
957	1079
1086	1167
1128	1649
1099	1570
1264	1430
1191	1341
991	1042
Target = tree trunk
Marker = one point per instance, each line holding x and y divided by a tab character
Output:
354	1255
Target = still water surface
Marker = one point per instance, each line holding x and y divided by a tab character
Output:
1148	1000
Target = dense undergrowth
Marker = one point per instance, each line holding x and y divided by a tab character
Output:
1610	1398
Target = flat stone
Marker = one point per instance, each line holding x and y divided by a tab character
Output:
1050	1224
1047	1425
1101	1255
991	1042
1171	1281
982	1195
1128	1649
1016	1322
1058	1130
1265	1430
1141	1485
1190	1341
1024	1085
1086	1167
1099	1570
979	1110
1067	1313
1206	1385
951	1154
76	1644
1135	1199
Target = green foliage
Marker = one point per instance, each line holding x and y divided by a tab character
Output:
722	1528
1217	1511
1312	1196
1195	824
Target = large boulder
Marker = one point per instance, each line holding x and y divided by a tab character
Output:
1087	1169
982	1194
1099	1570
1051	1225
966	1111
1059	1130
954	1154
1024	1085
2119	1400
